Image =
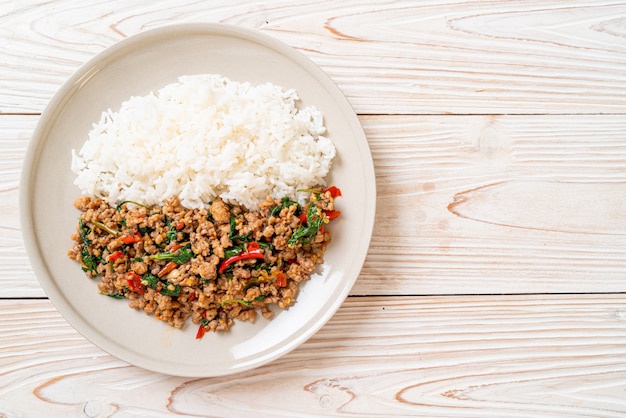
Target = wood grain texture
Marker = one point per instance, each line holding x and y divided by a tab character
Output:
497	204
388	57
470	356
15	270
497	132
467	205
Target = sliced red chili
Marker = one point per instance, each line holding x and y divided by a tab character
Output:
253	251
176	247
203	328
134	282
114	256
167	268
201	331
332	214
281	280
131	239
180	225
334	191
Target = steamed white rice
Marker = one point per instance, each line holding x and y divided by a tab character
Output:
203	137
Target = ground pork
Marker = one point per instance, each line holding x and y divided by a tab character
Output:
176	263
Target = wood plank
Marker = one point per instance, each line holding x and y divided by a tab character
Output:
467	205
470	356
497	204
399	57
15	270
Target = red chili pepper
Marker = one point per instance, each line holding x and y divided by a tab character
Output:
114	256
253	251
176	247
281	280
167	268
131	239
201	331
332	214
192	297
134	282
334	191
180	225
302	218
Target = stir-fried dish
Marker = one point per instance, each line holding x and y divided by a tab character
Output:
214	264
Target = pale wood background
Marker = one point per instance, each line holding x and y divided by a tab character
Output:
495	284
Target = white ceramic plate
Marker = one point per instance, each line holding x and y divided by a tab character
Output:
135	66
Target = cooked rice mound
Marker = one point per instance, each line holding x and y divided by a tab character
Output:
205	137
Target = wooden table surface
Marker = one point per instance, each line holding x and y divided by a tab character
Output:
495	282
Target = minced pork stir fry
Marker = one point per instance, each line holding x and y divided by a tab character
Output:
214	265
